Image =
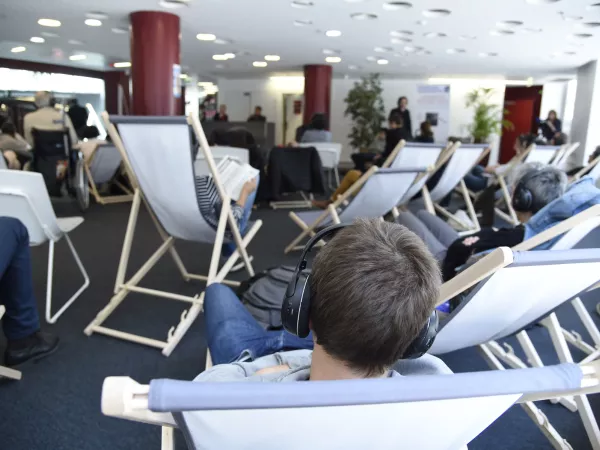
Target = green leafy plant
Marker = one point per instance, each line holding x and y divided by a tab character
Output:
365	107
488	118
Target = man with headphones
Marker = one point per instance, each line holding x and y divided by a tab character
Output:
367	310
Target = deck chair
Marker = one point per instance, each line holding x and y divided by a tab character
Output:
330	153
219	152
367	413
103	167
377	192
23	195
496	308
7	372
461	162
157	155
591	170
543	154
563	155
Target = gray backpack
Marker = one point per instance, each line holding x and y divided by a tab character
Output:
263	295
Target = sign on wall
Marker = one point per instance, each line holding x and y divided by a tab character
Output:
432	104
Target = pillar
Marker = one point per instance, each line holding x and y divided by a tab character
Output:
586	114
317	91
155	58
116	92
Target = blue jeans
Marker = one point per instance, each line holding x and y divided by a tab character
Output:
233	334
230	247
16	287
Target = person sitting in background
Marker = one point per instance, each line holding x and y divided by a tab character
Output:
379	144
20	322
593	156
15	149
402	111
79	116
426	135
317	131
551	126
559	139
373	289
47	117
544	184
257	116
222	116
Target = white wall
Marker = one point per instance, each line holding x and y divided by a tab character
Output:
554	98
586	115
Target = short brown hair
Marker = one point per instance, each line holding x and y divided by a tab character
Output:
373	287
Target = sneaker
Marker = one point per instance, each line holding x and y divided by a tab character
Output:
33	347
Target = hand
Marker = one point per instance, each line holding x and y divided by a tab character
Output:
12	160
250	186
470	241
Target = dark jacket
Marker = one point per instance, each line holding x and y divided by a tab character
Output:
293	169
425	139
548	132
255	118
79	116
392	137
406	119
220	118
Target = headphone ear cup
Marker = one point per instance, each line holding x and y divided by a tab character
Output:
295	311
522	199
425	338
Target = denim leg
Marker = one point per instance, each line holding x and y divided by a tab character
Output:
16	288
230	247
440	229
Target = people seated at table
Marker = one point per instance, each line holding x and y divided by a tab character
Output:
403	111
21	323
317	130
47	117
535	186
426	134
257	116
222	116
373	288
551	127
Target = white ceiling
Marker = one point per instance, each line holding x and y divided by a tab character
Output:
260	27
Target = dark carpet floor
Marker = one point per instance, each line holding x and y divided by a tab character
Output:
57	404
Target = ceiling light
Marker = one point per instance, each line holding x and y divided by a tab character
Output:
37	40
302	23
75	42
487	55
400	40
97	15
18	49
93	22
467	37
173	4
78	57
455	51
333	33
333	59
434	34
205	84
363	16
382	62
229	55
412	48
434	13
509	23
371	59
589	25
119	30
222	41
259	64
123	64
541	2
48	34
220	58
49	22
272	57
395	6
301	4
501	32
580	36
423	53
328	51
383	49
206	37
401	33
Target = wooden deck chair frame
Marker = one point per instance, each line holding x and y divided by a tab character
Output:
495	354
591	167
7	372
436	209
124	287
106	199
309	230
563	155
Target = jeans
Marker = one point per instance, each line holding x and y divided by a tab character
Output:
16	288
233	334
475	180
230	247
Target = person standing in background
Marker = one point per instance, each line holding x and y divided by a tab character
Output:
552	126
257	116
79	116
402	111
222	116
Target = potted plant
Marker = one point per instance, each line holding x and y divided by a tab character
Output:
365	107
488	118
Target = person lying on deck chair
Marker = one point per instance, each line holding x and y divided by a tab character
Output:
373	289
549	204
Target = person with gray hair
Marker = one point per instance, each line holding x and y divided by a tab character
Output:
47	118
533	185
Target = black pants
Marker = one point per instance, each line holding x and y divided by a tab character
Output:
361	159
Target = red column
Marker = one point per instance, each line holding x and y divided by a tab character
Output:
155	42
317	90
115	82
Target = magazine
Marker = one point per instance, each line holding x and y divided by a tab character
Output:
234	174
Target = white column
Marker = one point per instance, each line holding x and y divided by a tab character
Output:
586	118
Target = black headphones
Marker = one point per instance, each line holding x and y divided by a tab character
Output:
295	310
523	199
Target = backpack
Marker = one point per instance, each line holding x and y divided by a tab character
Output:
263	294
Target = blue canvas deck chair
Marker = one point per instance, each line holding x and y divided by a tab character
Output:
157	155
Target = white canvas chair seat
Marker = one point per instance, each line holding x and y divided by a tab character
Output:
23	195
3	165
102	167
158	158
562	158
381	191
330	153
517	290
543	154
368	413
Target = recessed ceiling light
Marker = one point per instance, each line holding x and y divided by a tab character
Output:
541	2
93	22
401	33
222	41
455	51
48	34
371	58
580	36
77	57
589	25
220	57
302	23
96	15
487	55
395	6
259	64
18	49
119	30
122	64
272	57
569	53
229	55
532	30
49	22
301	4
501	32
412	48
509	23
434	13
382	62
400	40
363	16
333	33
75	42
383	49
173	4
434	34
333	59
206	37
37	40
467	37
328	51
423	52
